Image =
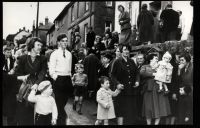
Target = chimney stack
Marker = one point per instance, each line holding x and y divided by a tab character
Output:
20	30
41	24
33	25
46	20
24	28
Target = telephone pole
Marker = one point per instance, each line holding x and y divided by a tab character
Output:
37	19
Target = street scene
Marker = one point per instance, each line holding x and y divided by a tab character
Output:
97	63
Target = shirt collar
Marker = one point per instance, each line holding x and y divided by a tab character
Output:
29	53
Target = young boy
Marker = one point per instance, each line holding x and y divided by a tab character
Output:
105	110
185	106
46	112
79	81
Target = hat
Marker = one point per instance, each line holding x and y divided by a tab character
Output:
167	54
44	85
22	46
108	55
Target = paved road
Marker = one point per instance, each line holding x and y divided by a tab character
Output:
87	118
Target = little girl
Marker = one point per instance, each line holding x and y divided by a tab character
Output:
79	81
163	73
105	109
46	112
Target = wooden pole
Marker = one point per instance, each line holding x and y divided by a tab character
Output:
37	19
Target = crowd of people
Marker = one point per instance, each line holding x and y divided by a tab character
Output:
38	81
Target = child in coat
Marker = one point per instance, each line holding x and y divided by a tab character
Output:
105	110
79	81
185	106
46	112
163	73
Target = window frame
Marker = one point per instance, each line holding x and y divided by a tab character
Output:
85	32
110	3
87	4
109	26
72	13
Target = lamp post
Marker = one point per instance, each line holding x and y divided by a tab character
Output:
37	19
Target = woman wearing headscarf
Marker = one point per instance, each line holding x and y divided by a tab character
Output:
124	22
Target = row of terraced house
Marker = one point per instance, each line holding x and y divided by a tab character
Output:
102	14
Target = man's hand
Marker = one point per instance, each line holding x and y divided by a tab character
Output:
55	77
186	119
53	121
136	84
174	97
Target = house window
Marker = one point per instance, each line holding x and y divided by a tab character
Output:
108	24
56	24
72	14
109	3
77	9
85	31
86	6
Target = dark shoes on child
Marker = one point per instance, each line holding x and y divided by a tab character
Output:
79	110
74	106
164	91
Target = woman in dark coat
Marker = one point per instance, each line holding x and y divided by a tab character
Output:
155	105
173	91
91	66
145	23
124	22
124	71
35	66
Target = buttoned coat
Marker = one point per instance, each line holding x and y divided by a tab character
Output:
104	98
125	73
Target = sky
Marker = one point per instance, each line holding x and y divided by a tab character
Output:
17	15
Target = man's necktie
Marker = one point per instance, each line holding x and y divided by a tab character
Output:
64	53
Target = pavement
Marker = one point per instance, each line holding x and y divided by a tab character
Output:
89	107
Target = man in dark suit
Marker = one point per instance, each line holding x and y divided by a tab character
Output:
90	38
9	91
8	61
170	19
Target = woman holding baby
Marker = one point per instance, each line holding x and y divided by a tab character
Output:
155	103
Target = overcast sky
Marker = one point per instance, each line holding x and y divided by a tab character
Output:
17	15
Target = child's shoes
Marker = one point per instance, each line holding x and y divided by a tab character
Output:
160	90
166	92
74	106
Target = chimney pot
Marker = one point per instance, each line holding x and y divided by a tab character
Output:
46	20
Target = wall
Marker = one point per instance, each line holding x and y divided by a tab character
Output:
103	14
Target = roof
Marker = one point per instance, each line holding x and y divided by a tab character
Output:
63	12
48	26
21	31
10	37
51	29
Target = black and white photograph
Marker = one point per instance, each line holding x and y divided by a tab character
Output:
97	63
